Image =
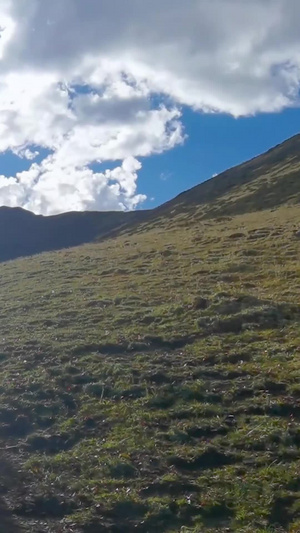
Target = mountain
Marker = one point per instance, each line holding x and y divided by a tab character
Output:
150	381
267	181
22	233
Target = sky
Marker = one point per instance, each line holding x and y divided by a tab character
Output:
122	104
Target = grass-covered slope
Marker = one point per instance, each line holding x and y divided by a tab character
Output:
150	383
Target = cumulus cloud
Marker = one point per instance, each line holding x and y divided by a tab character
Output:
87	80
45	188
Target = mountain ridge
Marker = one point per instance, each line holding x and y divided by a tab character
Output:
239	176
23	233
264	182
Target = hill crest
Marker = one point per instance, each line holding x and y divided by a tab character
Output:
267	181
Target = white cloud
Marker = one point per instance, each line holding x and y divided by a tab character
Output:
164	176
48	189
26	153
77	78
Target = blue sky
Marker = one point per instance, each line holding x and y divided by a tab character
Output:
215	143
105	112
11	163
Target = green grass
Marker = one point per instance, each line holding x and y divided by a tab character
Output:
151	382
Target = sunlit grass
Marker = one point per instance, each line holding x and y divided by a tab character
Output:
151	382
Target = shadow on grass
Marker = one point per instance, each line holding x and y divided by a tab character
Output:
8	523
9	480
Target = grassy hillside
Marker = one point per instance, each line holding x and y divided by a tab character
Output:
151	382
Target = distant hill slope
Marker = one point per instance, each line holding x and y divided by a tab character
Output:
265	182
22	233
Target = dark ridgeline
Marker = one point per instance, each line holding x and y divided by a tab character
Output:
22	233
265	182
